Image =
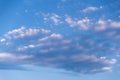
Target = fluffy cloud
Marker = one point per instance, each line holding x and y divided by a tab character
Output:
105	27
53	18
95	25
23	32
82	24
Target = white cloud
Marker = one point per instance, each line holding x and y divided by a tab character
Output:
51	36
89	9
52	17
101	25
13	57
58	45
83	24
55	18
106	61
2	40
25	32
93	58
44	38
115	24
103	69
57	36
113	61
44	31
44	42
31	46
70	21
106	68
103	57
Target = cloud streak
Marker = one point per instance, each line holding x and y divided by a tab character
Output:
89	9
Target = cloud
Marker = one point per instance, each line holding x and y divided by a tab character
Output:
89	24
104	69
105	27
55	18
52	18
82	24
30	46
58	36
44	41
89	9
79	53
78	63
92	58
23	32
2	40
115	24
13	57
101	25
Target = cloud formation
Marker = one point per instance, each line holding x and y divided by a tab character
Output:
82	24
43	47
23	32
107	28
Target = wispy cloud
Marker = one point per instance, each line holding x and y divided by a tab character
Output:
89	9
2	40
5	57
104	69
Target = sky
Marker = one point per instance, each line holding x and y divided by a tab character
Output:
59	39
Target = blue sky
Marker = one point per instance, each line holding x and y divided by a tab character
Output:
59	39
